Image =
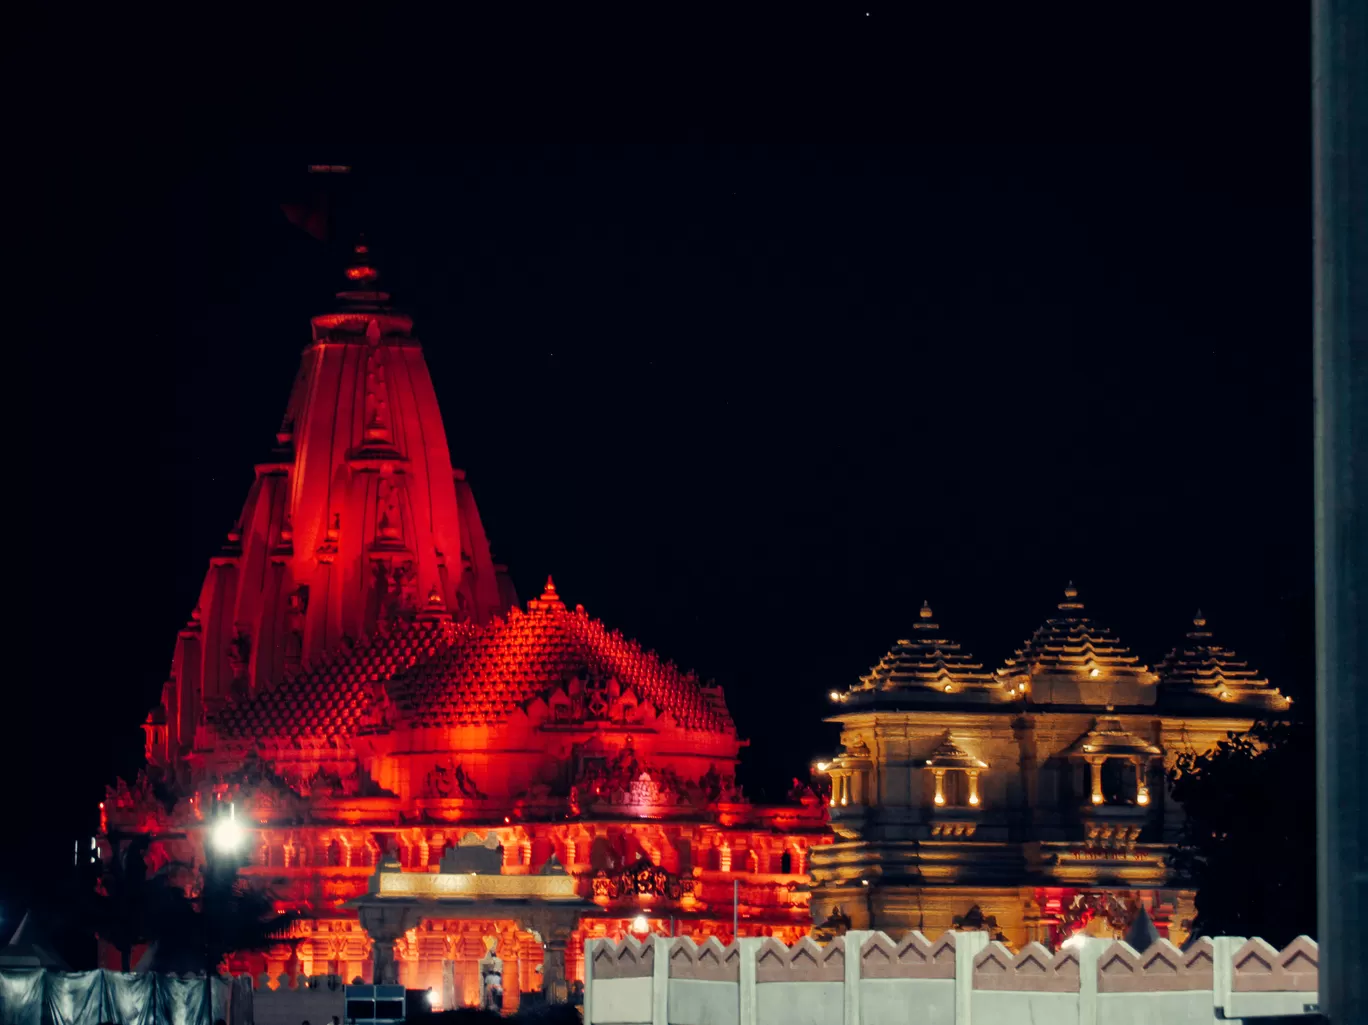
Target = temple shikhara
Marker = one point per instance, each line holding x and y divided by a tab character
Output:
1029	800
427	767
424	764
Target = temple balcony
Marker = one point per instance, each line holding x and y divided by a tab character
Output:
1114	825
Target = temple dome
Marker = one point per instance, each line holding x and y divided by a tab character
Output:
1073	659
928	661
1203	670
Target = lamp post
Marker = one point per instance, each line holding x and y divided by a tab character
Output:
224	842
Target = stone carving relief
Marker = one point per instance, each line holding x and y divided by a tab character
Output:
396	589
643	879
450	780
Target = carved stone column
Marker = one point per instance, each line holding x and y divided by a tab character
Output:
1095	777
385	925
554	984
554	927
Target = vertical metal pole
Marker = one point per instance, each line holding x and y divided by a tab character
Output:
1340	124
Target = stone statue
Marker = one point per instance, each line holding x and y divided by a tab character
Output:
491	977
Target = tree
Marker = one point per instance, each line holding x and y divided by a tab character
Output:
227	915
195	917
120	908
1249	839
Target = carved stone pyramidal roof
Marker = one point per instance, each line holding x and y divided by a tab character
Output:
1108	737
929	660
1201	667
428	671
1083	661
949	755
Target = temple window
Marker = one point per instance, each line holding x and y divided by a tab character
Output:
955	776
786	863
1117	764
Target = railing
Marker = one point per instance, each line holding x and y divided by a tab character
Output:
867	978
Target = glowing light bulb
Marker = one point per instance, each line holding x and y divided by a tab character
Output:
844	802
1142	797
640	925
227	835
973	799
1097	798
835	695
947	688
940	798
1095	672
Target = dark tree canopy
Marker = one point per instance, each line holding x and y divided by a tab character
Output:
1250	837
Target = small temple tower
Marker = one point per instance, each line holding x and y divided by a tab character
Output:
1031	800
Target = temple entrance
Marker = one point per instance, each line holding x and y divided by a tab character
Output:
431	931
456	959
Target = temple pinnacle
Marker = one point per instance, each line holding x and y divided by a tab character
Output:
361	270
925	612
363	291
549	591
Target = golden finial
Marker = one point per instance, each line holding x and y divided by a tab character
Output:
1070	591
549	591
925	612
1199	619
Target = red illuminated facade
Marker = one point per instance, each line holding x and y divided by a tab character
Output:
360	680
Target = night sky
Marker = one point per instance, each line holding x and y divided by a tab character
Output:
749	405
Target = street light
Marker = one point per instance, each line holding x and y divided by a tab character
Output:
227	835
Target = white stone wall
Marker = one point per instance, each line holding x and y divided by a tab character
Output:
867	978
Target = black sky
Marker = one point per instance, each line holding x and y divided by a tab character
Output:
748	405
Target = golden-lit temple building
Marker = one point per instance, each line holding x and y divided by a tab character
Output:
360	687
1029	800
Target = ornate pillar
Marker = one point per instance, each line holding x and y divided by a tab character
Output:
973	787
554	927
385	925
940	786
1095	770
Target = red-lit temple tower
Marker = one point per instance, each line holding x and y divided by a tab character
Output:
360	681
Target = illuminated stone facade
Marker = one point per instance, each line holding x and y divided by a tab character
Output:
1031	800
360	682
